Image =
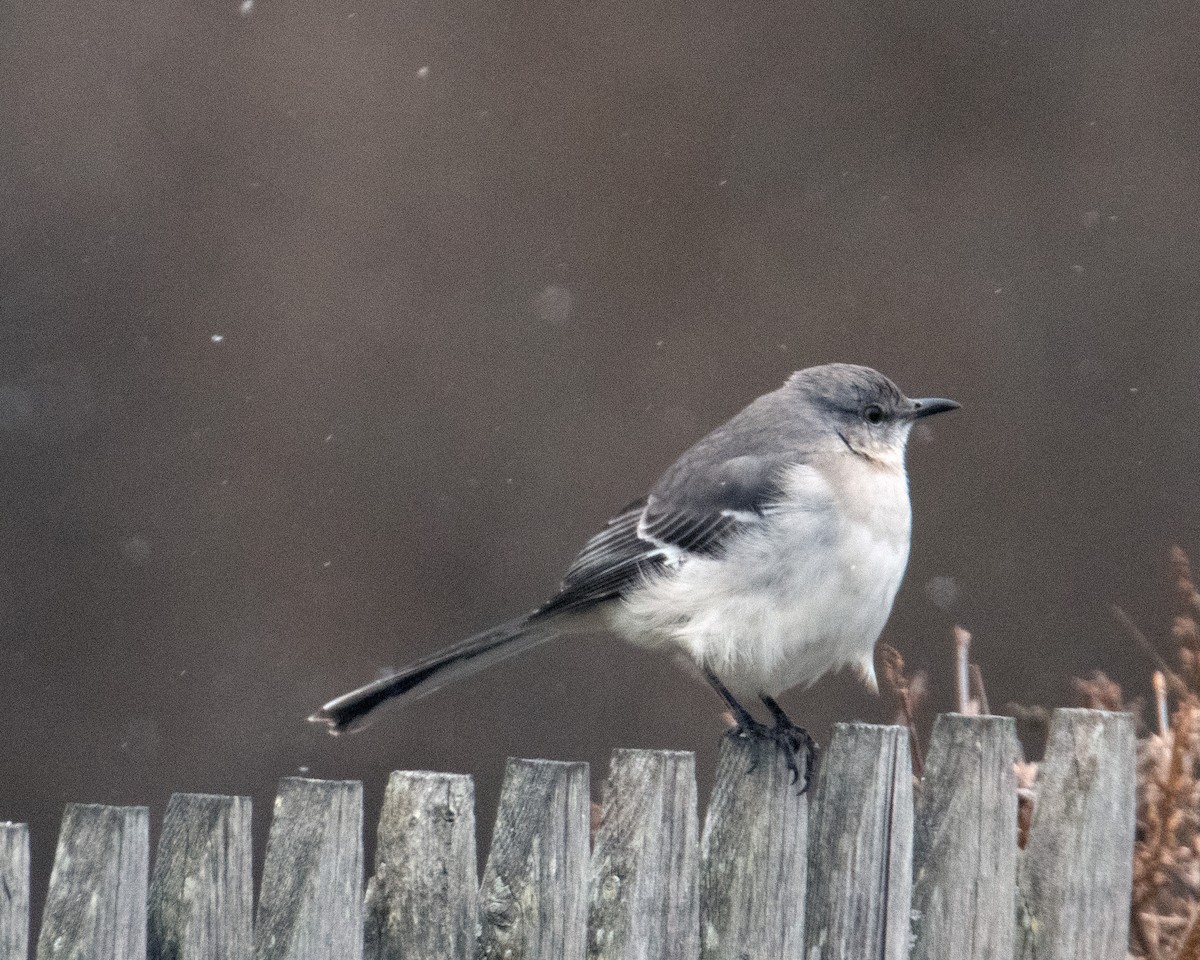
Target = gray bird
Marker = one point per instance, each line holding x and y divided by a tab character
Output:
769	554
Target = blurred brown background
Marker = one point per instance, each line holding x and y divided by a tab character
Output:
328	333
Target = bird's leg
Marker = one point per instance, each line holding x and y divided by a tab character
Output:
784	734
792	738
746	724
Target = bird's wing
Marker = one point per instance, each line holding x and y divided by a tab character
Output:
664	529
612	559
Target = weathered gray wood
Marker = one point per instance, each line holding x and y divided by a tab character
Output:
423	902
202	889
96	906
965	842
1076	872
534	893
860	847
644	895
311	904
754	857
14	891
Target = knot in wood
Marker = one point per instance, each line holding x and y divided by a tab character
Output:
612	887
501	907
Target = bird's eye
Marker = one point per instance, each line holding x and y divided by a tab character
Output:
873	413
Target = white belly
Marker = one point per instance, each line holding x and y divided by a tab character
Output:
805	592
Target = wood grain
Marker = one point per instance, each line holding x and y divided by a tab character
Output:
860	847
96	906
965	842
14	891
754	855
645	860
533	901
311	904
202	889
1076	873
423	901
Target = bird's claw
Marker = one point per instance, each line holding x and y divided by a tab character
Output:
789	738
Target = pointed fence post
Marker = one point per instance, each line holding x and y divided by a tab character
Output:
14	891
754	857
860	847
1075	876
644	898
965	841
202	888
311	904
96	907
423	902
533	902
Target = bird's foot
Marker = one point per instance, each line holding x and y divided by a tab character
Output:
791	739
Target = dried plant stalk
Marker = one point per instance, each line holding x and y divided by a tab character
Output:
962	659
907	693
1026	772
1160	703
1178	687
978	692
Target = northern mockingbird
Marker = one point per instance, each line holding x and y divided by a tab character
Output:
769	554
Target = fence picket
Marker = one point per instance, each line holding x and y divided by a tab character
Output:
202	889
965	841
14	891
96	907
311	904
860	847
1075	875
755	857
644	896
422	902
533	901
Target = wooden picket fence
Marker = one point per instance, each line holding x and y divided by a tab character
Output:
853	871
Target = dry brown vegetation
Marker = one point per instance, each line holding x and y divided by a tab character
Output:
1166	871
1165	909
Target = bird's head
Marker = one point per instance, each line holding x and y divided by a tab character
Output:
862	410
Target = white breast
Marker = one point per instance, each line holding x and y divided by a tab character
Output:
806	591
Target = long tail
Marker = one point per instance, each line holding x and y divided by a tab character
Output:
349	711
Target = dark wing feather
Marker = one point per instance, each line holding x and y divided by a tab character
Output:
615	543
698	533
610	561
700	502
693	518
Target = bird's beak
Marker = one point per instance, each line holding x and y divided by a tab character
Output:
928	406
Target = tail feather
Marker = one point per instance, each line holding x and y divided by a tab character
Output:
349	711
